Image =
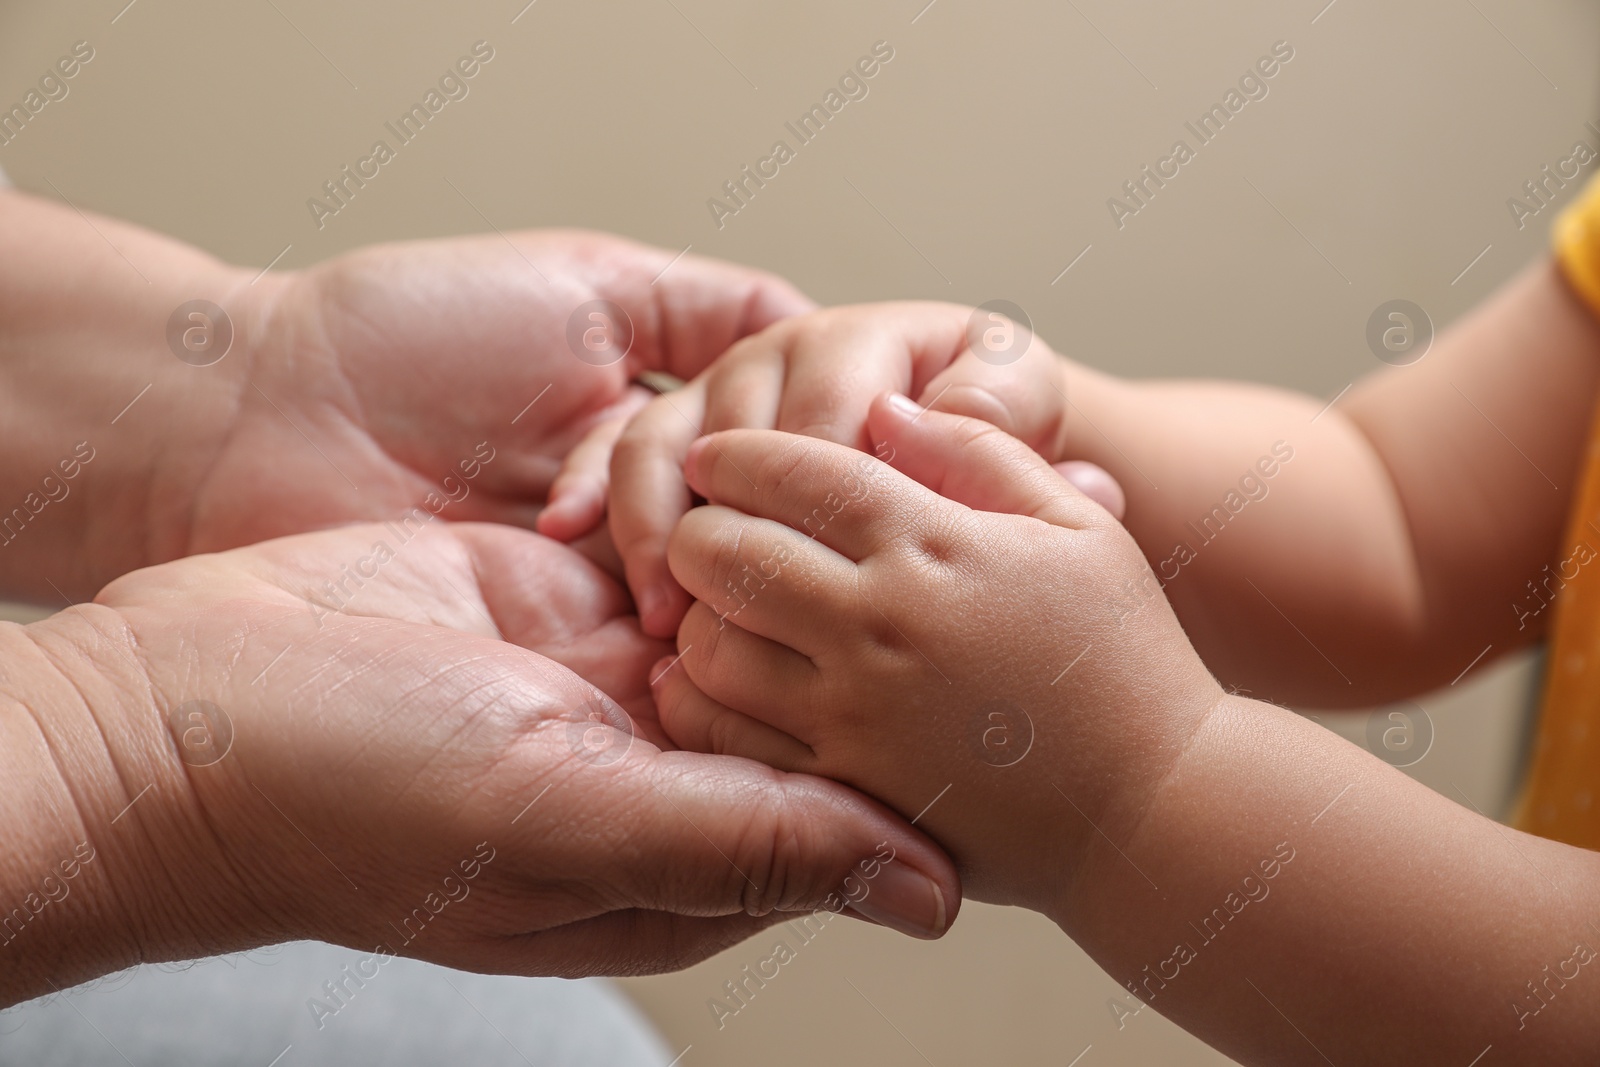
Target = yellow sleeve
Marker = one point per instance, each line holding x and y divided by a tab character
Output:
1560	796
1576	238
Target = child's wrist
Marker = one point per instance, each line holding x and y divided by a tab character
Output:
1134	772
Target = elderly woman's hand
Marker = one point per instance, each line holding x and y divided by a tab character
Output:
396	737
222	406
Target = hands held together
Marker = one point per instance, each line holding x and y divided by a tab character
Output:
308	737
907	597
918	621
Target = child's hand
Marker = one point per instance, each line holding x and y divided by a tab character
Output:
1017	686
814	375
1003	658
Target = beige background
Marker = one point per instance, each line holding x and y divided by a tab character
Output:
978	167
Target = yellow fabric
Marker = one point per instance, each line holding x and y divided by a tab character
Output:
1577	244
1559	797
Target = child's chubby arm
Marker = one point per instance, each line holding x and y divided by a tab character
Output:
1365	551
816	375
1018	682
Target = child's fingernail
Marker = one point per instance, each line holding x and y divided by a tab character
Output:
904	404
659	671
692	457
559	515
652	602
904	899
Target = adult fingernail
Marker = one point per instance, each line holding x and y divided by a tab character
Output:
904	404
904	899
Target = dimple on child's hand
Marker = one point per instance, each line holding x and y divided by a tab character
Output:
814	375
962	634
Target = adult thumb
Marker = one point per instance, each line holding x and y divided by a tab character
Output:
718	835
976	463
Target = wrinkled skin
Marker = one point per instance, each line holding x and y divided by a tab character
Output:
453	708
372	377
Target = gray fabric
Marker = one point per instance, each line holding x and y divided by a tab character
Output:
253	1010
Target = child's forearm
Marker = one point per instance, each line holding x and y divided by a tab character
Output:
1290	899
1253	516
1355	553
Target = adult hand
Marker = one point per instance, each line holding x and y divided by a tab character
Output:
380	737
396	361
354	390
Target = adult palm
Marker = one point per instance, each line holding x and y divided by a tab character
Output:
373	380
429	765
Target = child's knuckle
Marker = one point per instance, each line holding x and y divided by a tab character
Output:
702	636
981	403
722	561
776	471
723	734
937	538
670	704
848	716
880	639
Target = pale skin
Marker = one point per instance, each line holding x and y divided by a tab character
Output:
814	376
1397	539
450	704
1389	924
1403	534
390	715
353	388
1387	553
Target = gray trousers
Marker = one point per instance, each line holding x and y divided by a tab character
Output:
312	1004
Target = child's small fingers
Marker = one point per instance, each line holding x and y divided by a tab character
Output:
847	500
649	496
774	581
977	464
577	500
1023	397
696	722
745	387
847	356
826	392
745	671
